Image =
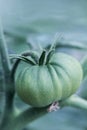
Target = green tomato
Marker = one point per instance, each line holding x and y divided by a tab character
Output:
41	85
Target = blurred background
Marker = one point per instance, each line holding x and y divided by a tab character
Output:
37	22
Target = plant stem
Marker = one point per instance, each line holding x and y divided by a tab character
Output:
32	114
75	101
8	84
4	52
6	66
29	116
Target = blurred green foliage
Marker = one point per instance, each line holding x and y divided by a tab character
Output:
36	22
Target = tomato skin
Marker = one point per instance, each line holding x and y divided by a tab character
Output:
41	85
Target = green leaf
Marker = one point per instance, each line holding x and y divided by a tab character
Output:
84	66
42	58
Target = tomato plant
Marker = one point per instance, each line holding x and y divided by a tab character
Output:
48	78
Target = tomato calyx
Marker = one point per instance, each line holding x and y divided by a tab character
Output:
31	57
45	56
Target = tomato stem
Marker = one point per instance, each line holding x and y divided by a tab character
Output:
75	101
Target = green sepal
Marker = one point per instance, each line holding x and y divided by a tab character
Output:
42	58
49	55
23	58
69	44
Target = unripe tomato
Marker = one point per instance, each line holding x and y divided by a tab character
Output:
41	85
